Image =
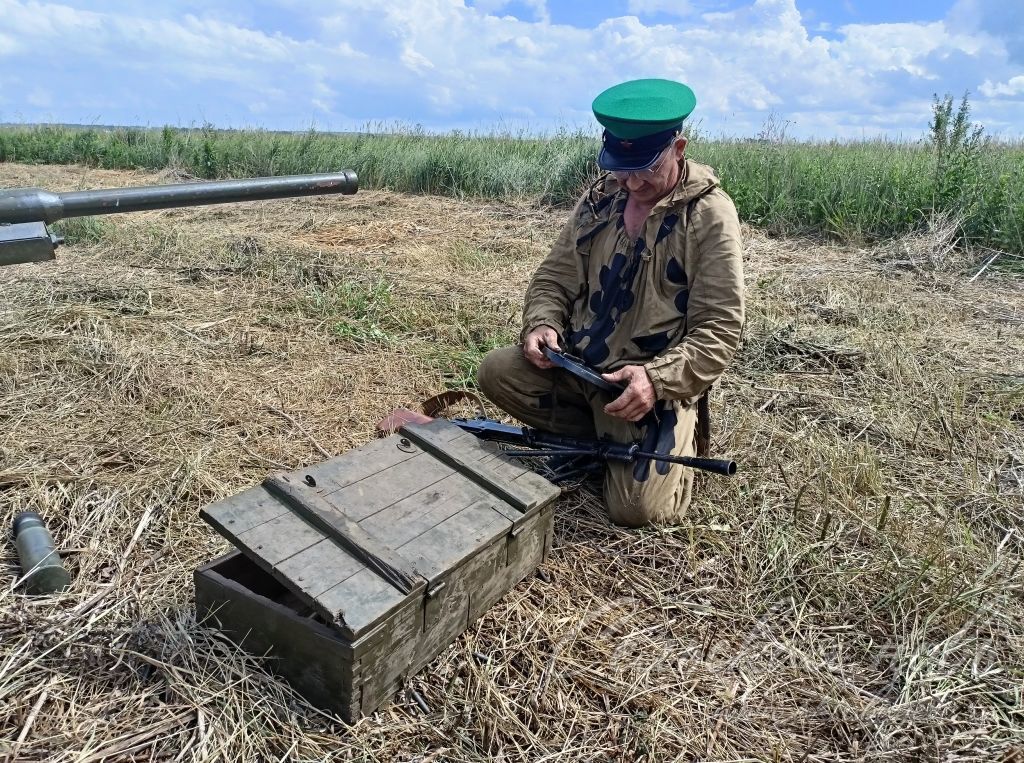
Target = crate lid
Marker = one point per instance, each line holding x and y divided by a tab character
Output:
356	536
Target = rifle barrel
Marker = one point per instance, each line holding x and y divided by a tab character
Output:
721	466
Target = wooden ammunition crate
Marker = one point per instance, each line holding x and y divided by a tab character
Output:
352	574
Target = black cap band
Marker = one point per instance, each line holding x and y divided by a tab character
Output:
629	155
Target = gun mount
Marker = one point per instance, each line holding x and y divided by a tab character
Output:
25	212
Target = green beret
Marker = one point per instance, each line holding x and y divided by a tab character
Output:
643	107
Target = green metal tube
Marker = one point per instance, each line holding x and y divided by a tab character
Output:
41	567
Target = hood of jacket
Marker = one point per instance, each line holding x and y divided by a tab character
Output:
607	195
695	180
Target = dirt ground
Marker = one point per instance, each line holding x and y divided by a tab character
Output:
855	592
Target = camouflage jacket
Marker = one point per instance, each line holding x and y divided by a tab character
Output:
671	301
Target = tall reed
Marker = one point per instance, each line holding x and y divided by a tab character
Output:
853	191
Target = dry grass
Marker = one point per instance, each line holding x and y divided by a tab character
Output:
855	593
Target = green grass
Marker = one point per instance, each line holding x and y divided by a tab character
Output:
853	191
458	363
82	230
359	313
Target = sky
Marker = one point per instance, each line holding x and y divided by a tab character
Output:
815	68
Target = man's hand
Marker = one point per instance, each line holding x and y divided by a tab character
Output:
536	341
637	399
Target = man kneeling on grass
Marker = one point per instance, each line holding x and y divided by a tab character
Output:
645	284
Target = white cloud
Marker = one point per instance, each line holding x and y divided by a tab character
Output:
1013	87
1001	21
651	7
441	63
539	8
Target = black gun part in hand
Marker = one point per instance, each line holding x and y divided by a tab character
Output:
581	370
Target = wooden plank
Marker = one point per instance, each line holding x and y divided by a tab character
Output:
319	568
233	516
358	464
283	545
514	471
368	496
309	504
270	543
411	517
464	454
454	540
545	490
506	467
360	602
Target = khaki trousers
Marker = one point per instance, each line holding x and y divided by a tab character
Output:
554	400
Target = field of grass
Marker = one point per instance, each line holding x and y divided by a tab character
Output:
853	192
854	593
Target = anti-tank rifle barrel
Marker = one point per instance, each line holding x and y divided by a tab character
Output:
27	205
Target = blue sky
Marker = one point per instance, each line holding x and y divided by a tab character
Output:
852	68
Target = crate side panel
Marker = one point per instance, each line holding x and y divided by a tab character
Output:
386	660
447	615
306	654
526	548
524	552
236	566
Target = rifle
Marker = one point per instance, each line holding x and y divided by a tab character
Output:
547	445
575	456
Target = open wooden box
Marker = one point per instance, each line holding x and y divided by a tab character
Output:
354	573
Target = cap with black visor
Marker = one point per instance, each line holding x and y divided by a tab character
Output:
641	119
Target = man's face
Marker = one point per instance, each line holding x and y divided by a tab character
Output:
648	186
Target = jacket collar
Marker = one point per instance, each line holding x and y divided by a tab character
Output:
695	180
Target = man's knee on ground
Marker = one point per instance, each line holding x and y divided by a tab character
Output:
630	512
637	507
